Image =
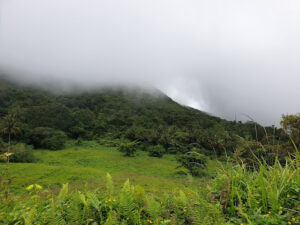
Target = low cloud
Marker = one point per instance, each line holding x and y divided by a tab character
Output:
224	57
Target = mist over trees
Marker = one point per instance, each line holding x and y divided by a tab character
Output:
47	119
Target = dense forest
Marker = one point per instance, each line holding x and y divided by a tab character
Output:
46	119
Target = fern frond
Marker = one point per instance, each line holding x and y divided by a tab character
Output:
109	185
63	193
153	208
112	218
127	203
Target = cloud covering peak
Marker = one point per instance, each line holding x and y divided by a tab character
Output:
225	57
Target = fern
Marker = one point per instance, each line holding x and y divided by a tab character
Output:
93	201
55	216
28	219
140	196
153	208
136	217
112	218
127	203
109	185
63	193
201	212
75	214
182	199
82	199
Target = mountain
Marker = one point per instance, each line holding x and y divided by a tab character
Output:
133	113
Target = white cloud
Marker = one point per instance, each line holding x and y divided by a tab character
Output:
224	57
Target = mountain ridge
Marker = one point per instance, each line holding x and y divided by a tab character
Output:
114	113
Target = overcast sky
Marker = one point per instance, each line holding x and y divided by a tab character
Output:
225	57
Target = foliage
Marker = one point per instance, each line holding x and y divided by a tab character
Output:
22	153
89	163
128	148
124	113
262	188
48	138
130	206
9	126
270	195
9	123
237	195
193	161
217	139
291	125
156	151
253	154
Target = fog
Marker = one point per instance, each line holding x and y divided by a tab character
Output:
226	57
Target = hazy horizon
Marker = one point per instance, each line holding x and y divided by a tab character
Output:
228	58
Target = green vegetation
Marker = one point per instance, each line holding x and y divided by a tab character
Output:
160	195
90	162
270	195
194	162
47	138
22	153
130	206
128	148
156	151
125	113
184	166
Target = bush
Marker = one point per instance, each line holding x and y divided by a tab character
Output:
22	153
156	151
48	138
291	125
56	141
109	142
129	149
253	153
194	162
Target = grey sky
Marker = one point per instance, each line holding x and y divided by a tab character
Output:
221	56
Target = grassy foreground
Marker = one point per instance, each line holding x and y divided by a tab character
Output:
157	192
87	166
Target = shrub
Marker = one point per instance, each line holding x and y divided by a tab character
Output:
156	151
291	125
48	138
56	141
253	153
129	148
109	141
193	161
22	153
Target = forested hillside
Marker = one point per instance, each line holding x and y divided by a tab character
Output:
151	118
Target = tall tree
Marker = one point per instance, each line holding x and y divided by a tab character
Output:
9	126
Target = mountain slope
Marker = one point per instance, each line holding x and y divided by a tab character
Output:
149	117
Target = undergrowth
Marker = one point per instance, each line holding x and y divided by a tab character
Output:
130	206
238	195
269	195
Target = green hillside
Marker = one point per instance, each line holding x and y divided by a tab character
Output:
133	156
149	117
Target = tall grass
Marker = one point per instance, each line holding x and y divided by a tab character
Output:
269	195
